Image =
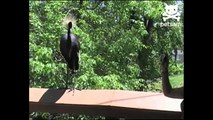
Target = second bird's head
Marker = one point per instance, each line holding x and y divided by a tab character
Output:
69	25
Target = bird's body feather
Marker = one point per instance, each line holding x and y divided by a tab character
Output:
70	52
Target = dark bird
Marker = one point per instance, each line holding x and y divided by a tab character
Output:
70	48
168	90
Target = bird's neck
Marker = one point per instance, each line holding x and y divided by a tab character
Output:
165	79
68	37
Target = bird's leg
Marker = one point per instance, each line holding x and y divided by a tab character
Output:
66	81
73	80
67	77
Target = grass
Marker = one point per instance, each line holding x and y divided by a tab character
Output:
176	81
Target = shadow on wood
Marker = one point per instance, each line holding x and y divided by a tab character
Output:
51	96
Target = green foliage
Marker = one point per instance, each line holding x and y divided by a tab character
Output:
175	80
175	69
112	55
45	116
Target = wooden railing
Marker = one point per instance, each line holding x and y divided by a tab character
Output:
108	103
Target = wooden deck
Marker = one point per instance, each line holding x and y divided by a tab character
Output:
109	103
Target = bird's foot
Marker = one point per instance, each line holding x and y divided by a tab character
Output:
73	88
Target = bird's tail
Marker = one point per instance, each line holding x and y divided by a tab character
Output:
69	18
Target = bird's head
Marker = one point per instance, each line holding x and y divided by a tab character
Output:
69	25
69	21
